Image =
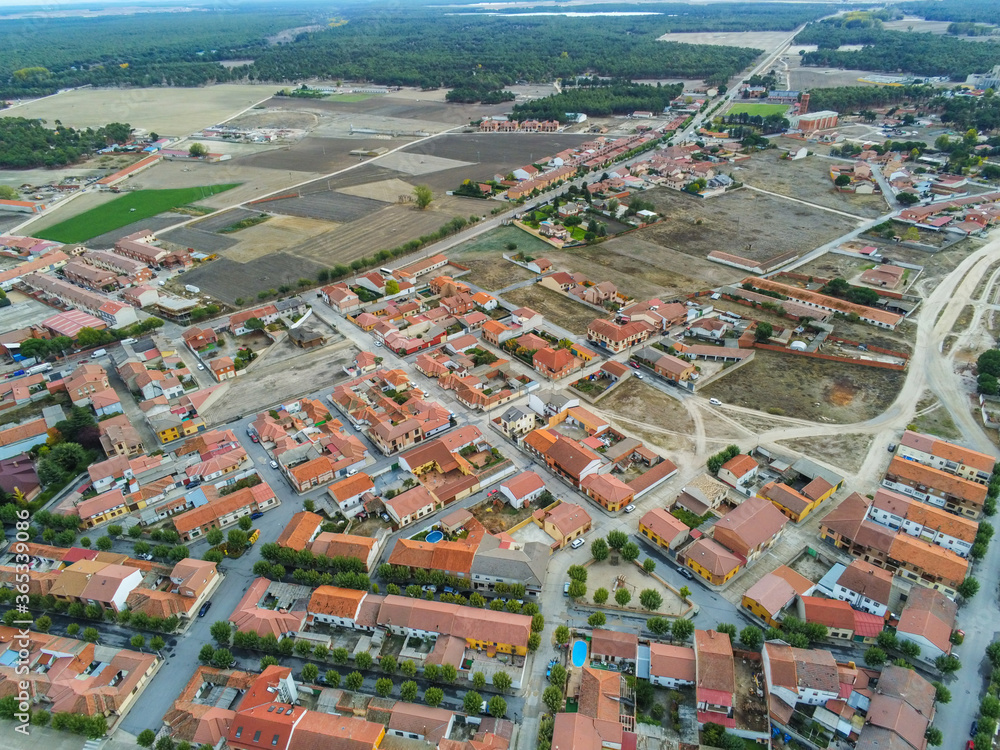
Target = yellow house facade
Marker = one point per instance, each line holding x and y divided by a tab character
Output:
794	504
712	561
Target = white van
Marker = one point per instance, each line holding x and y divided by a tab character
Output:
99	353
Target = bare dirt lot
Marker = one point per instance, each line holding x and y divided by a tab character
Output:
329	206
205	242
808	180
846	451
754	225
933	419
227	279
642	268
638	405
809	388
224	219
754	39
556	307
484	256
167	111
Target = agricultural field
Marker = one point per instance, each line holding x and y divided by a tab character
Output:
753	39
167	111
847	452
320	155
556	307
752	224
326	206
649	412
484	255
808	388
807	180
757	108
127	209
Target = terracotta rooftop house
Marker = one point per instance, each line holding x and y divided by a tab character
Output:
712	561
332	604
615	647
300	531
249	616
935	486
940	454
865	587
452	558
928	619
750	528
331	544
554	363
607	490
600	697
715	670
775	591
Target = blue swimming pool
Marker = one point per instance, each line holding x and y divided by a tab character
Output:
434	537
579	653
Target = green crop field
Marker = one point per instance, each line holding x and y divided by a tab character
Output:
758	109
119	212
350	97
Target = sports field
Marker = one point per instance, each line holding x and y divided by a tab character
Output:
127	209
758	109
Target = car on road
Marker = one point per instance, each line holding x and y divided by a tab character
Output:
577	543
634	365
566	589
145	556
484	708
629	508
974	729
274	464
378	343
429	587
638	376
892	447
970	745
685	572
255	516
254	439
715	402
204	609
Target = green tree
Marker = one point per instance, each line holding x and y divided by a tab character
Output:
433	696
968	588
597	620
422	196
502	681
617	539
577	573
751	638
408	691
221	632
138	640
245	523
934	736
875	657
630	552
332	678
764	331
553	699
498	707
907	199
471	702
90	635
363	660
43	623
146	738
623	597
388	664
157	643
649	564
658	625
432	672
236	541
268	661
104	543
222	658
449	673
599	549
650	599
340	655
310	672
842	180
383	687
562	634
600	596
408	668
682	629
577	589
198	150
534	641
557	676
354	681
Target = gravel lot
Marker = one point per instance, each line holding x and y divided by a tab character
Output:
206	242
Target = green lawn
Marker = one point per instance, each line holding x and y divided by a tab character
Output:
758	109
119	213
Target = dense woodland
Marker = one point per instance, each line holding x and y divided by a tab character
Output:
854	98
971	11
28	143
894	51
419	45
617	98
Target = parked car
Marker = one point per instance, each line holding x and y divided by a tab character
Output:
638	376
484	708
577	543
384	516
254	439
892	447
974	729
204	609
715	402
145	556
685	572
201	366
450	590
634	365
274	464
629	508
429	587
566	589
255	516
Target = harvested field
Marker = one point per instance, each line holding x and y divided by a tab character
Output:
641	268
330	206
386	191
362	175
754	225
206	242
846	451
808	180
484	256
832	266
808	388
755	39
418	164
218	221
277	232
167	111
557	308
226	279
317	154
493	273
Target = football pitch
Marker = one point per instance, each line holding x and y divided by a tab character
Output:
758	109
127	209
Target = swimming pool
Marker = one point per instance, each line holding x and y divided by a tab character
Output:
579	653
434	537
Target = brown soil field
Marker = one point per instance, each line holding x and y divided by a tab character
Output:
936	420
320	155
206	242
641	268
330	206
227	279
167	111
556	307
277	232
754	225
831	266
493	273
385	191
846	451
808	180
484	256
808	388
224	219
642	404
